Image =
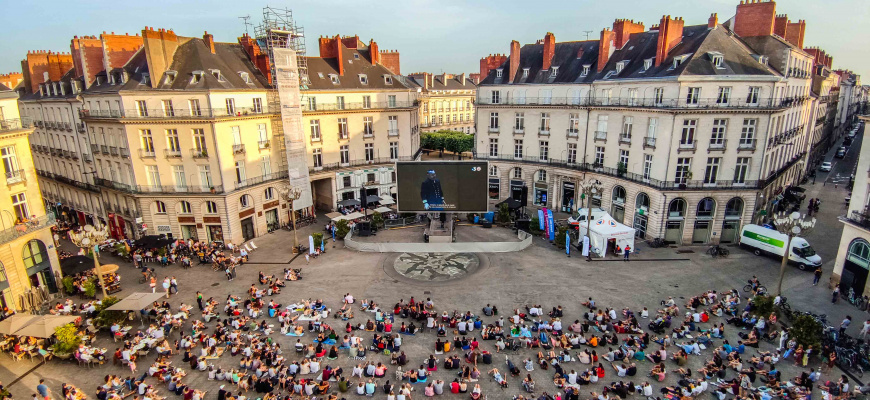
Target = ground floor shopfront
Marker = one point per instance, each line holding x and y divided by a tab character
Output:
678	216
28	260
853	259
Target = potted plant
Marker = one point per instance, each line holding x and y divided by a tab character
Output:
318	239
341	228
378	219
68	285
105	318
621	168
67	341
504	215
90	289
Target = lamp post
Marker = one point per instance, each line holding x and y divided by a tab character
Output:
88	238
290	195
792	225
589	187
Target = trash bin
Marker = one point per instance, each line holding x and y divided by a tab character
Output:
476	219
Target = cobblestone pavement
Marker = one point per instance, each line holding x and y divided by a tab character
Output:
541	274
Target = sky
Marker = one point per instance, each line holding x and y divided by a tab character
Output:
433	36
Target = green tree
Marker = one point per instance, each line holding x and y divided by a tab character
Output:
341	228
763	306
318	238
90	288
105	317
67	339
561	236
621	168
807	331
378	219
68	285
504	214
535	225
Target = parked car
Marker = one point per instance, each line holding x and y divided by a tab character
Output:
826	166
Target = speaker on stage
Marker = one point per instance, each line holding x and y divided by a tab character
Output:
524	197
365	229
523	224
363	198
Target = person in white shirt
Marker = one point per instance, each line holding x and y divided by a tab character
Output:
644	313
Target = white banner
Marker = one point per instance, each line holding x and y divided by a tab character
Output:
585	246
287	81
310	244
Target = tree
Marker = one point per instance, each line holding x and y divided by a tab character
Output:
535	225
504	214
807	331
561	236
105	318
318	239
763	306
341	228
378	219
67	339
90	288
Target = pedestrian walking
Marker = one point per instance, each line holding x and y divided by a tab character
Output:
199	299
845	324
865	329
153	284
627	251
173	285
166	285
835	295
817	274
307	258
42	389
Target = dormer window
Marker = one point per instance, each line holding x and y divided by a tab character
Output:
196	77
334	79
216	73
54	90
170	77
320	75
356	56
760	58
62	89
554	70
498	73
716	58
388	79
363	79
585	70
112	79
146	79
306	80
525	72
99	80
679	60
245	77
74	85
621	66
647	64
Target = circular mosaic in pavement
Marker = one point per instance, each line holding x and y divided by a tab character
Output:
436	267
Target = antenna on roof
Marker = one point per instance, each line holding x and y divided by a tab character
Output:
245	21
587	33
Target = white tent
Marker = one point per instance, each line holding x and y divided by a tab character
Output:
604	229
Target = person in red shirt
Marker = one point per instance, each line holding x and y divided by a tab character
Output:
454	386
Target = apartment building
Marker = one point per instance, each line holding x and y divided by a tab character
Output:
446	102
25	227
853	256
361	118
826	95
690	129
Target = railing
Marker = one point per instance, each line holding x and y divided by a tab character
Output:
15	176
492	129
354	163
544	132
392	132
393	223
113	150
124	152
649	142
197	153
572	132
26	228
264	144
171	153
260	179
238	148
64	153
142	189
74	155
649	102
377	105
80	127
600	135
688	145
746	144
67	126
15	124
625	138
720	145
144	153
104	149
154	113
858	218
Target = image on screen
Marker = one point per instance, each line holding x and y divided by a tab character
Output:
454	186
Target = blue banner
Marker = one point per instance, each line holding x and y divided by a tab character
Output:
552	226
567	243
541	219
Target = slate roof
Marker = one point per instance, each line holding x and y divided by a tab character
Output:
356	62
697	42
453	83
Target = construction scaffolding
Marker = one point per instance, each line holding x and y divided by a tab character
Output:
284	43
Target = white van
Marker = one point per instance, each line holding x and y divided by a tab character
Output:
769	241
581	215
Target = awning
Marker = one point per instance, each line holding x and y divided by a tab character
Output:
334	215
108	268
136	301
387	200
354	215
372	199
76	264
512	203
349	203
9	325
44	325
383	209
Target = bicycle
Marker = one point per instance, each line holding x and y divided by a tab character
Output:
759	289
146	276
860	302
657	242
716	251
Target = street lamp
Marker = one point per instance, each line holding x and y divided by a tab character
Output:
290	195
88	238
589	187
792	225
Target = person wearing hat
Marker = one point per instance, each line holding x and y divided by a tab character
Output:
431	193
222	394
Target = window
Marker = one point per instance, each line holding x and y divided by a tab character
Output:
231	106
519	122
573	123
585	70
572	153
264	135
544	150
344	153
339	102
334	79
240	171
632	97
652	125
244	201
147	141
717	137
493	147
346	182
752	97
647	165
312	103
647	64
545	123
659	96
541	176
10	162
683	167
172	141
623	158
367	102
693	96
688	135
706	207
342	128
180	178
363	79
368	126
498	73
318	158
525	72
19	204
315	130
747	134
160	207
388	79
216	73
712	170
859	253
185	207
237	135
168	110
391	101
205	175
195	110
211	207
199	141
394	150
258	105
546	96
496	97
266	165
269	193
34	254
518	173
599	156
370	151
741	169
554	70
602	124
724	95
141	108
393	125
734	208
518	148
627	124
493	170
493	121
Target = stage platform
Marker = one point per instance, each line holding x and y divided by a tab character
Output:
469	239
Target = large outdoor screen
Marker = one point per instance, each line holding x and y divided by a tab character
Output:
450	186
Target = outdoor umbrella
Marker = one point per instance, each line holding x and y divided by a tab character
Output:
372	199
349	202
43	326
386	200
9	325
76	264
136	302
512	203
383	209
108	268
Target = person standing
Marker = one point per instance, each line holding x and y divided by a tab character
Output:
865	329
199	299
845	324
166	285
43	389
173	285
817	274
627	251
835	295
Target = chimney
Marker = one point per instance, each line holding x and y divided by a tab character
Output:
475	78
780	25
374	53
754	18
208	39
331	48
490	63
462	78
514	61
390	60
257	56
444	79
623	29
713	21
160	47
605	48
795	33
670	34
87	54
549	50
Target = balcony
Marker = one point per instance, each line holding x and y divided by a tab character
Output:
7	125
518	130
492	129
238	148
16	176
572	133
601	135
649	142
65	153
264	144
385	160
95	148
104	149
80	127
171	153
687	146
651	102
87	157
392	132
544	132
625	138
144	189
316	138
113	150
73	155
717	145
746	144
23	228
125	152
172	113
144	153
197	153
377	105
368	134
67	126
260	179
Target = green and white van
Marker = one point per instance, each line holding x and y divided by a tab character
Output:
768	241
